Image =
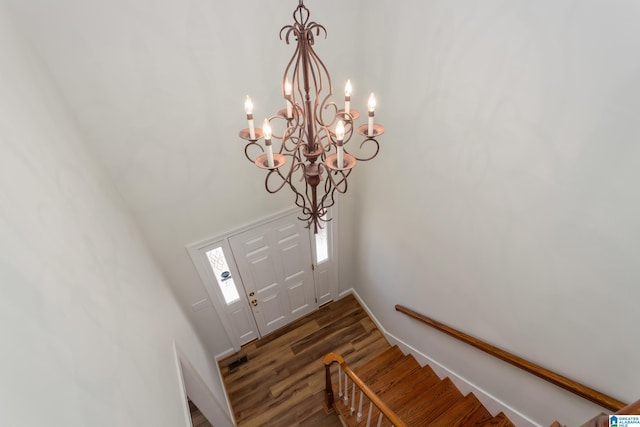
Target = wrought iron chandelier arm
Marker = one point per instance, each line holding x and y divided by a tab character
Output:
376	148
286	178
339	184
248	146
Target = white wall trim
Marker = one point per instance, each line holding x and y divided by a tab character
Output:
493	404
226	353
182	388
199	392
217	359
201	244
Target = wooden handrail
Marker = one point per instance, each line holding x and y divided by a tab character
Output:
331	358
575	387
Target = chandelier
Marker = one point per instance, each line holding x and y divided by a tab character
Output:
310	154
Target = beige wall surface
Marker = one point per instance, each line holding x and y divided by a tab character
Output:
87	320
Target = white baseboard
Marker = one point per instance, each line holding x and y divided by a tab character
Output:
224	354
493	405
217	359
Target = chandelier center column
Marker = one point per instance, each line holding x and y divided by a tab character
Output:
303	43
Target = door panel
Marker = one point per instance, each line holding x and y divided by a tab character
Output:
295	253
297	298
274	261
244	325
323	290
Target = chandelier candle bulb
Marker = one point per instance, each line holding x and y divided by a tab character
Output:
372	108
248	108
340	148
287	93
347	97
266	129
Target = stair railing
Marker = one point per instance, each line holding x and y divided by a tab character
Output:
568	384
348	379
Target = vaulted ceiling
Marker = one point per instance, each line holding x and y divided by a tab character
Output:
158	88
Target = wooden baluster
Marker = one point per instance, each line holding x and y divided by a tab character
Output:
346	390
369	416
351	379
353	399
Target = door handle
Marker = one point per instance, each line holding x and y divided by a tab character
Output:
254	302
252	294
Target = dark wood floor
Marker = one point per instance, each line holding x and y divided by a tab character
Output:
282	384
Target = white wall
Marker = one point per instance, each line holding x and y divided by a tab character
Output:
87	320
159	88
505	199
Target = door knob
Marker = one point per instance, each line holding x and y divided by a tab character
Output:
254	302
252	294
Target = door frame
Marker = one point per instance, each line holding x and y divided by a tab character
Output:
330	266
197	252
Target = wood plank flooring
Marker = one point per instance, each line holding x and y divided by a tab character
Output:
282	384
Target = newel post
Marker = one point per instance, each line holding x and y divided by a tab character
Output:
328	390
328	360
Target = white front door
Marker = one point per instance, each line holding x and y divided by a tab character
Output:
274	262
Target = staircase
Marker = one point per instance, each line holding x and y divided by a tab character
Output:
415	394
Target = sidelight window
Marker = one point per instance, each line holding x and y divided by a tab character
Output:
223	276
322	244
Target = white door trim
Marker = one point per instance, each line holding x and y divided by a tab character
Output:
264	220
198	256
329	267
197	253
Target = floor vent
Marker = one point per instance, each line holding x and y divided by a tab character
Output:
239	361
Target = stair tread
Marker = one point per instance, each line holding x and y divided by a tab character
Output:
417	395
380	364
466	412
405	367
419	380
478	417
412	387
499	420
432	403
406	395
